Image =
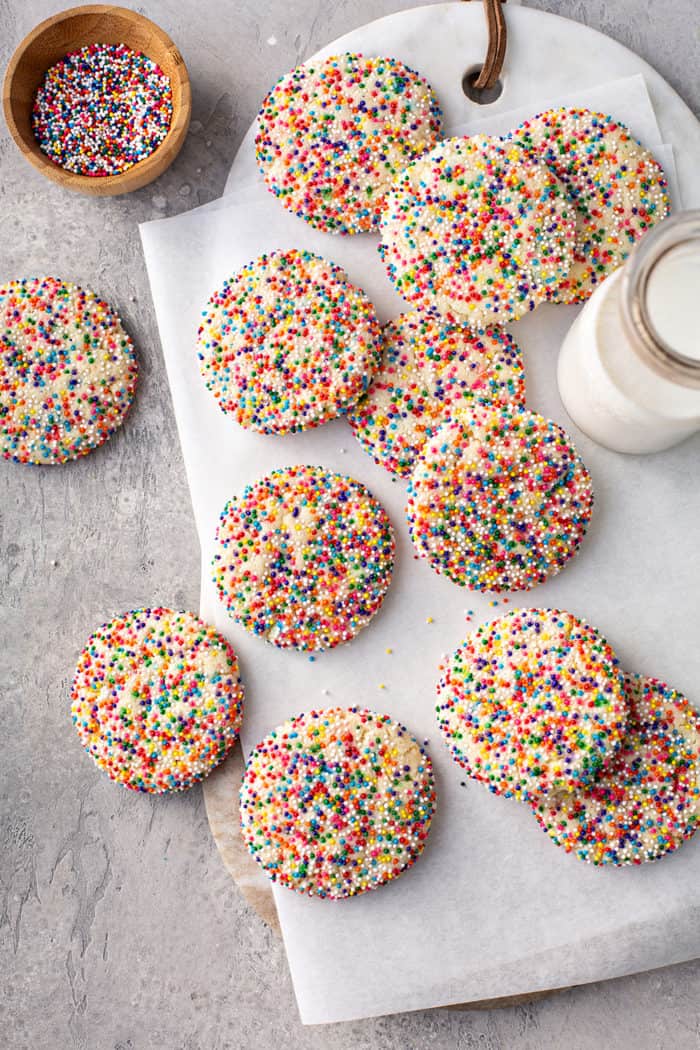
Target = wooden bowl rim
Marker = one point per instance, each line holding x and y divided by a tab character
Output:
141	173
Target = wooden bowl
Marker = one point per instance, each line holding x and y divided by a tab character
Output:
68	31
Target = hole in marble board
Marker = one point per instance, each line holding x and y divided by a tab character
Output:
482	96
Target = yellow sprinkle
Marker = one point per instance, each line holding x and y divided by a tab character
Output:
390	651
429	620
381	685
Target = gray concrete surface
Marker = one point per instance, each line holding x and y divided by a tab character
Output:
119	927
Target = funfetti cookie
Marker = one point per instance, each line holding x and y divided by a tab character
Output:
618	187
477	231
337	802
532	702
288	343
157	700
67	371
333	133
303	557
499	501
431	370
646	801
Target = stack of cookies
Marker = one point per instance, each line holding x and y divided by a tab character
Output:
535	705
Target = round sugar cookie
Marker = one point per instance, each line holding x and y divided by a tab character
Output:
337	802
532	701
430	371
67	371
646	801
499	502
477	231
156	699
617	186
303	557
288	343
333	133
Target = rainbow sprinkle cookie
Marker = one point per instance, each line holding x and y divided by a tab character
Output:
617	186
499	502
102	109
337	802
431	370
156	699
532	702
303	557
646	801
288	343
477	231
67	371
332	136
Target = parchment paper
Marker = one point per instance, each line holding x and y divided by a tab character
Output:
492	908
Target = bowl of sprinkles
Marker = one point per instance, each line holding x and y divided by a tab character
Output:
98	99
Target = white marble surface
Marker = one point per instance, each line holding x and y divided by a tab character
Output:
119	926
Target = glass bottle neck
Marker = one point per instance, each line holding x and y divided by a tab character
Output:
660	287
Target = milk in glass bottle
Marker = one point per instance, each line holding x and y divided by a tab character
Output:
629	368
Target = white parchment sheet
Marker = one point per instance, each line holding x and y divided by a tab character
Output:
492	907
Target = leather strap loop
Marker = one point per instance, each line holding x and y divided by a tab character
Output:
496	51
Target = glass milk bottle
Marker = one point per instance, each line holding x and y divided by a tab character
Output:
629	368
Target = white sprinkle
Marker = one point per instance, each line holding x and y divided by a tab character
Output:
272	40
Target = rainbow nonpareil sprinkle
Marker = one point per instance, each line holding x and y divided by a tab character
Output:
303	557
337	802
102	109
157	700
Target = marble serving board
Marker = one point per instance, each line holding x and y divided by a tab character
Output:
492	909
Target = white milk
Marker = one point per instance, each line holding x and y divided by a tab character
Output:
611	390
673	298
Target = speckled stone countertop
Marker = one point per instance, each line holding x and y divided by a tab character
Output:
119	927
